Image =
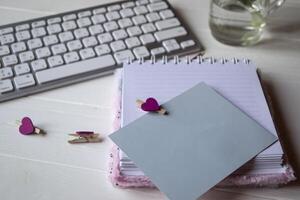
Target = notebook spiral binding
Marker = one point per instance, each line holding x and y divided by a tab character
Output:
189	59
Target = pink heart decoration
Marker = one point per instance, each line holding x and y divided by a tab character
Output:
150	105
26	128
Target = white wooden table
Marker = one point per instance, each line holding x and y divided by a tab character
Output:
46	168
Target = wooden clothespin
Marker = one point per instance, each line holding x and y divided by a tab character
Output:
151	105
84	137
26	127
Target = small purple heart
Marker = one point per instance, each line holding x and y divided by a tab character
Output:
26	128
150	105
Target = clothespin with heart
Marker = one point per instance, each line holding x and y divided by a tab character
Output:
26	127
84	137
151	105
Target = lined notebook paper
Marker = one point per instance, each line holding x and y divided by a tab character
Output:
238	83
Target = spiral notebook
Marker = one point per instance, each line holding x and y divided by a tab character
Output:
236	80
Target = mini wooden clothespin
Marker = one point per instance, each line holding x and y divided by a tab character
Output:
84	137
151	105
26	127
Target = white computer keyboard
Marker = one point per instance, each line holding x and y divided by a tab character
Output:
62	49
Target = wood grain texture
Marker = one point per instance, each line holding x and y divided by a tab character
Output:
46	168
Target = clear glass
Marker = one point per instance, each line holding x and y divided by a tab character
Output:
240	22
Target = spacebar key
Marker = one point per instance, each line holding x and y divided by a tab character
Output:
72	69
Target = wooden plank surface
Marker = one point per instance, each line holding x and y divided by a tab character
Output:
44	168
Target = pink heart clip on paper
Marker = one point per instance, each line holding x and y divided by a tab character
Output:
151	105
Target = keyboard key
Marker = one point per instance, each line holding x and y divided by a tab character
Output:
133	31
141	2
148	28
152	17
9	60
43	52
128	4
86	13
112	16
38	32
114	7
141	52
69	25
69	17
104	38
21	69
18	47
165	24
139	20
90	41
126	22
51	39
81	33
7	39
132	42
38	23
34	43
187	43
38	65
157	51
54	28
23	35
147	39
97	19
83	22
4	50
6	86
102	49
65	36
96	29
54	20
24	81
124	56
140	10
170	33
26	56
22	27
74	45
110	26
58	49
65	71
55	61
117	45
157	6
171	45
127	12
71	57
165	14
99	11
6	72
120	34
87	53
6	30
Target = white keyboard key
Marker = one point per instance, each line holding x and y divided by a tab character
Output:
21	69
65	71
112	16
4	50
83	22
124	23
170	33
38	32
148	28
140	19
169	23
54	28
127	12
34	43
58	49
38	23
171	45
157	6
55	61
69	25
114	7
102	49
97	19
66	36
24	81
120	34
51	39
187	43
141	52
123	56
165	14
132	42
23	35
117	45
110	26
128	4
152	17
104	38
6	30
84	14
133	31
6	86
147	39
140	10
54	20
69	17
43	52
38	65
157	51
26	56
6	39
6	72
74	45
18	47
9	60
141	2
96	29
71	57
80	33
90	41
87	53
22	27
99	11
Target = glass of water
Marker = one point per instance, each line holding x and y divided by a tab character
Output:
240	22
